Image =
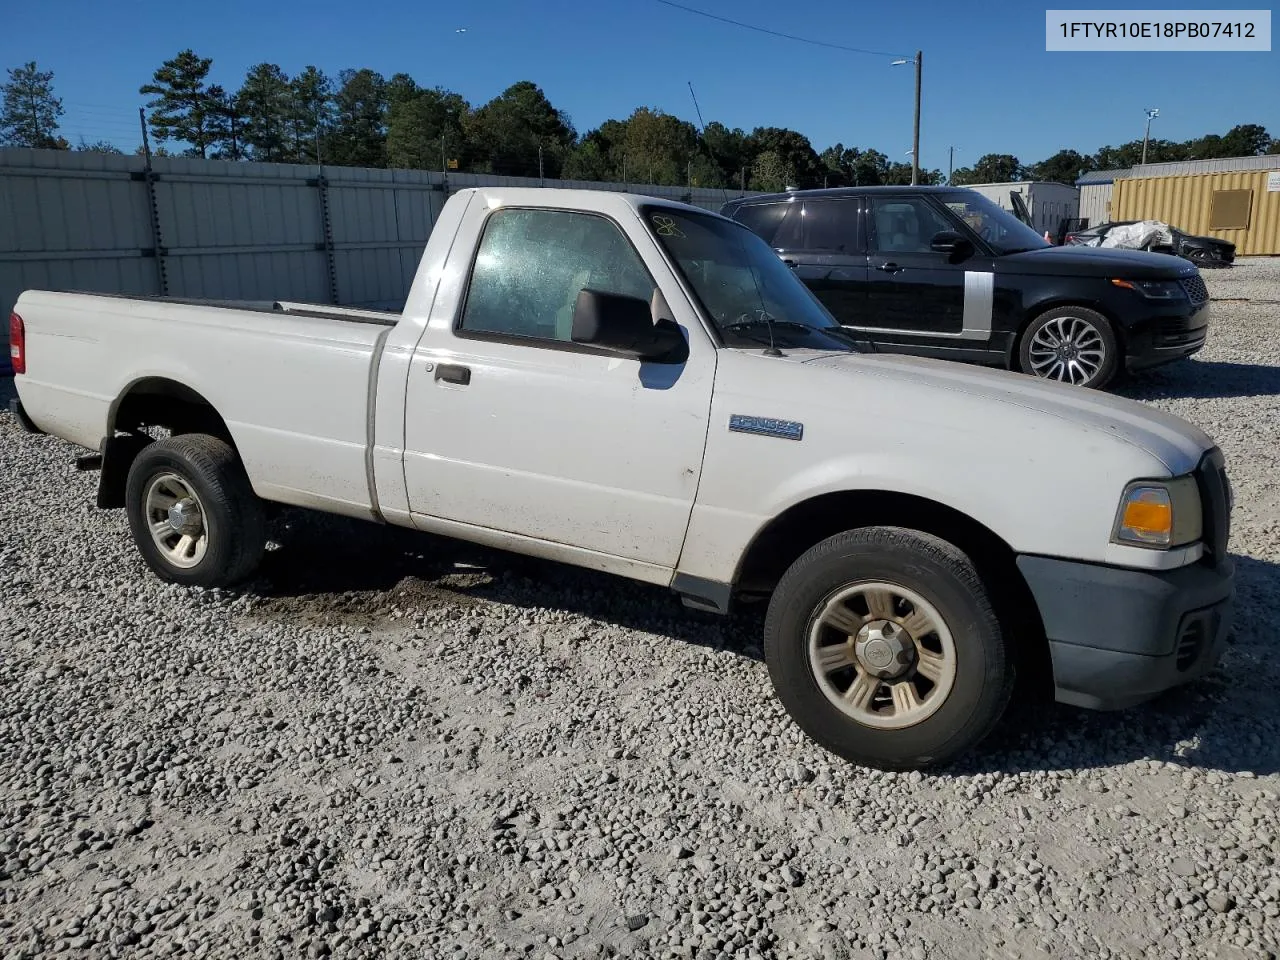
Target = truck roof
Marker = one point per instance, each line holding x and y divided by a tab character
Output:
571	198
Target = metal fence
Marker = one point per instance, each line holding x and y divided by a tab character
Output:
240	231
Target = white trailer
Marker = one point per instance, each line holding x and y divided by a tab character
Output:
1048	204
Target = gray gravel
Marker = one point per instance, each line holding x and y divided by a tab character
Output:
397	746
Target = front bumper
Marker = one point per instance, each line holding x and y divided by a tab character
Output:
1163	339
1118	637
24	421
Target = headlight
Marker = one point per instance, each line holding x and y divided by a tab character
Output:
1154	289
1159	514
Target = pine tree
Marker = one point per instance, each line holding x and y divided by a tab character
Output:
310	114
183	109
360	125
31	111
265	101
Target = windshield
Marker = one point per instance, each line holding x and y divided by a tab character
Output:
999	228
741	284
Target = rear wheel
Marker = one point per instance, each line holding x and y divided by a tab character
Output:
1073	345
193	513
883	646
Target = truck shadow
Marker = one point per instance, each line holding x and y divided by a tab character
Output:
1194	378
329	567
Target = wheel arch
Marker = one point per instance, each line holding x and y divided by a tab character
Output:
146	403
784	539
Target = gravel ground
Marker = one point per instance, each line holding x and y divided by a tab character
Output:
398	746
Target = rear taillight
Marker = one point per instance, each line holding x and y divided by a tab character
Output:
17	344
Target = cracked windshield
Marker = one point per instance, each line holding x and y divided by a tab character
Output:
749	294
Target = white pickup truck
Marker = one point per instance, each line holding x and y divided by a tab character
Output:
643	388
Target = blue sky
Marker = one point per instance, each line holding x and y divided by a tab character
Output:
989	86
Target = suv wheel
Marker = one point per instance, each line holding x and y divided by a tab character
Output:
1073	345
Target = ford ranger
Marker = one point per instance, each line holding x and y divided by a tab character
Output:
644	388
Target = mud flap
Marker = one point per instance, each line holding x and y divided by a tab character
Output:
118	454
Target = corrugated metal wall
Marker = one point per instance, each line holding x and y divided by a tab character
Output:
240	231
1184	202
1095	202
1173	168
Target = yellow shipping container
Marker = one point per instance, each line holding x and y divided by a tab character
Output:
1237	207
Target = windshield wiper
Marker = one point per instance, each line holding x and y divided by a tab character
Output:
841	333
837	333
761	322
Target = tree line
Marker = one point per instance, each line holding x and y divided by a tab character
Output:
361	118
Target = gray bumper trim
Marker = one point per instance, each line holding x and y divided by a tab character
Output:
1118	637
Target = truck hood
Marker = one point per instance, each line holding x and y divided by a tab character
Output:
1177	444
1095	262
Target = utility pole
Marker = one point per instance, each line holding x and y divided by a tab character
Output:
951	164
915	140
1151	115
146	144
540	176
35	122
915	136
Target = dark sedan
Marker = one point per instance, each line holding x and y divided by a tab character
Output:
1202	251
944	272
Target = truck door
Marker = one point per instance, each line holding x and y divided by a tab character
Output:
512	427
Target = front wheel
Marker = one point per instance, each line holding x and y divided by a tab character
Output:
193	513
1073	345
883	646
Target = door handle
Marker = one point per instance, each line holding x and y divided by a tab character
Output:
888	267
453	373
790	263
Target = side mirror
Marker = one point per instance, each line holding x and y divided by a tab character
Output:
949	242
625	325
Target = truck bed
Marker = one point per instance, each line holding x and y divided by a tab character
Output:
321	311
292	381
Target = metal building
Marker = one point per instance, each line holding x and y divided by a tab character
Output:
1100	190
1048	203
1096	188
1241	207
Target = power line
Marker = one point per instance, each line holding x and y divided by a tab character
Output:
775	33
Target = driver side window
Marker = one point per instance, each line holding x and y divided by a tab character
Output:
905	224
532	264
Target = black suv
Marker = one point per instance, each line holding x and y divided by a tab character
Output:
944	272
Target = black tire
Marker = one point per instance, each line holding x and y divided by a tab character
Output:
1106	335
231	515
940	574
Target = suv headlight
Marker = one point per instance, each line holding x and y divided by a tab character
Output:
1159	514
1154	289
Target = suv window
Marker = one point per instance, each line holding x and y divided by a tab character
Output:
766	220
829	226
906	224
531	265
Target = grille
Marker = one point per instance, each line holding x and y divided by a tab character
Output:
1190	643
1215	498
1195	287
